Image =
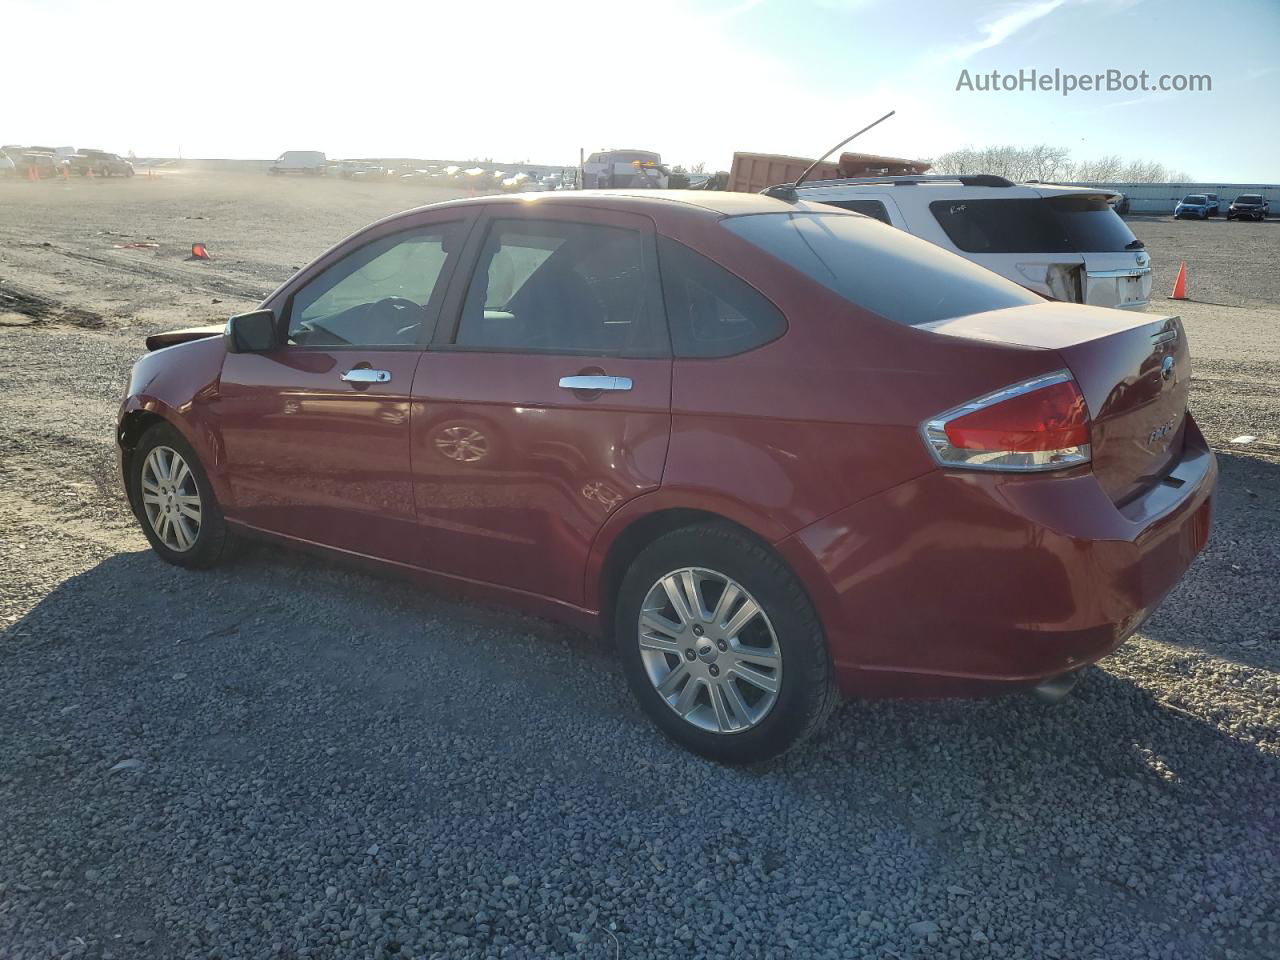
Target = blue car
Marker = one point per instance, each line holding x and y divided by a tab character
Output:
1196	205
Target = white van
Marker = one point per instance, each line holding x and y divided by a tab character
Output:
1066	243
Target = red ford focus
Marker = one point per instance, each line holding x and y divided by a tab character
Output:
781	452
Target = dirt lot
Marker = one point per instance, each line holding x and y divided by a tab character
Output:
325	763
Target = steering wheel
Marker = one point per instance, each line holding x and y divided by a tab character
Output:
397	311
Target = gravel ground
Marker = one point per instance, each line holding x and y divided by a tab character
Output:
291	758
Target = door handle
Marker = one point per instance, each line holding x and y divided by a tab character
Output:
365	375
595	383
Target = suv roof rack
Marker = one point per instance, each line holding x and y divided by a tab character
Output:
968	180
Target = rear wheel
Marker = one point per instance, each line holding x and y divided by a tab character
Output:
722	647
174	501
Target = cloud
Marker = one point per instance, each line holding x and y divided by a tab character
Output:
997	31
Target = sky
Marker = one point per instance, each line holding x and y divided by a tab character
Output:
693	79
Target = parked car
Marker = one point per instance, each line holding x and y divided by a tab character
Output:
25	160
1213	202
1248	206
8	168
311	163
820	458
100	163
1193	206
1065	243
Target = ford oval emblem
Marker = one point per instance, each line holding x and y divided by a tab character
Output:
1166	368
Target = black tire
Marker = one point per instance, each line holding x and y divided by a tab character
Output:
213	541
807	693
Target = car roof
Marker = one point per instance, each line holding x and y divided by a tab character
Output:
721	203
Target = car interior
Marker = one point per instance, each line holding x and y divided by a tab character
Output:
558	287
379	296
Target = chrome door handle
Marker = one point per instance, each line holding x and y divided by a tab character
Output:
595	383
365	375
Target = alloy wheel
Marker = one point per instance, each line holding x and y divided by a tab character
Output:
709	650
462	443
171	499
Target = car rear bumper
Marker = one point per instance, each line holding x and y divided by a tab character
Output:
956	582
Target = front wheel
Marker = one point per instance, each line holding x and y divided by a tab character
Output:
173	501
722	647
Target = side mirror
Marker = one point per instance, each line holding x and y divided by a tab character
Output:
251	332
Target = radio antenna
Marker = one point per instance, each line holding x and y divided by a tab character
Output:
787	191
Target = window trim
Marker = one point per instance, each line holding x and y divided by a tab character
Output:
431	322
450	319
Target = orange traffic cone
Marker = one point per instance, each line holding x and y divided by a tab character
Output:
91	173
198	252
32	174
1180	285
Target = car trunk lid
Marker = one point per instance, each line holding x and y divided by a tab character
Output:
1133	370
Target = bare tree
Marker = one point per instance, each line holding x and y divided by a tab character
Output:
1048	163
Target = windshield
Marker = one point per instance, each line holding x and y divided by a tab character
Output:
1066	224
1195	198
889	272
1249	198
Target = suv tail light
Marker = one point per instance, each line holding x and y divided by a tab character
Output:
1038	424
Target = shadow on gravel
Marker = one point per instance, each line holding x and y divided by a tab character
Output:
300	726
1228	605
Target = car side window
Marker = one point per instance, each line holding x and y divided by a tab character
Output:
379	296
712	313
560	287
871	208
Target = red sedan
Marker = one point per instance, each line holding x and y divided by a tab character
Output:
781	452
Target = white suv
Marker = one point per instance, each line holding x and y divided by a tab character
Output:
1066	243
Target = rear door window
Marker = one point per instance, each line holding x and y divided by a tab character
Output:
711	312
1067	224
889	272
545	286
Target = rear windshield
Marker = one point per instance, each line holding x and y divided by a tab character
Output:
1070	224
884	270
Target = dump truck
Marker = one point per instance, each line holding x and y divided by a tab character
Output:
752	172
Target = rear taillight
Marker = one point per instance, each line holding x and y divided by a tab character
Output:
1038	424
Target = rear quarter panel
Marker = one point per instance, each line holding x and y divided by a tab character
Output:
821	418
